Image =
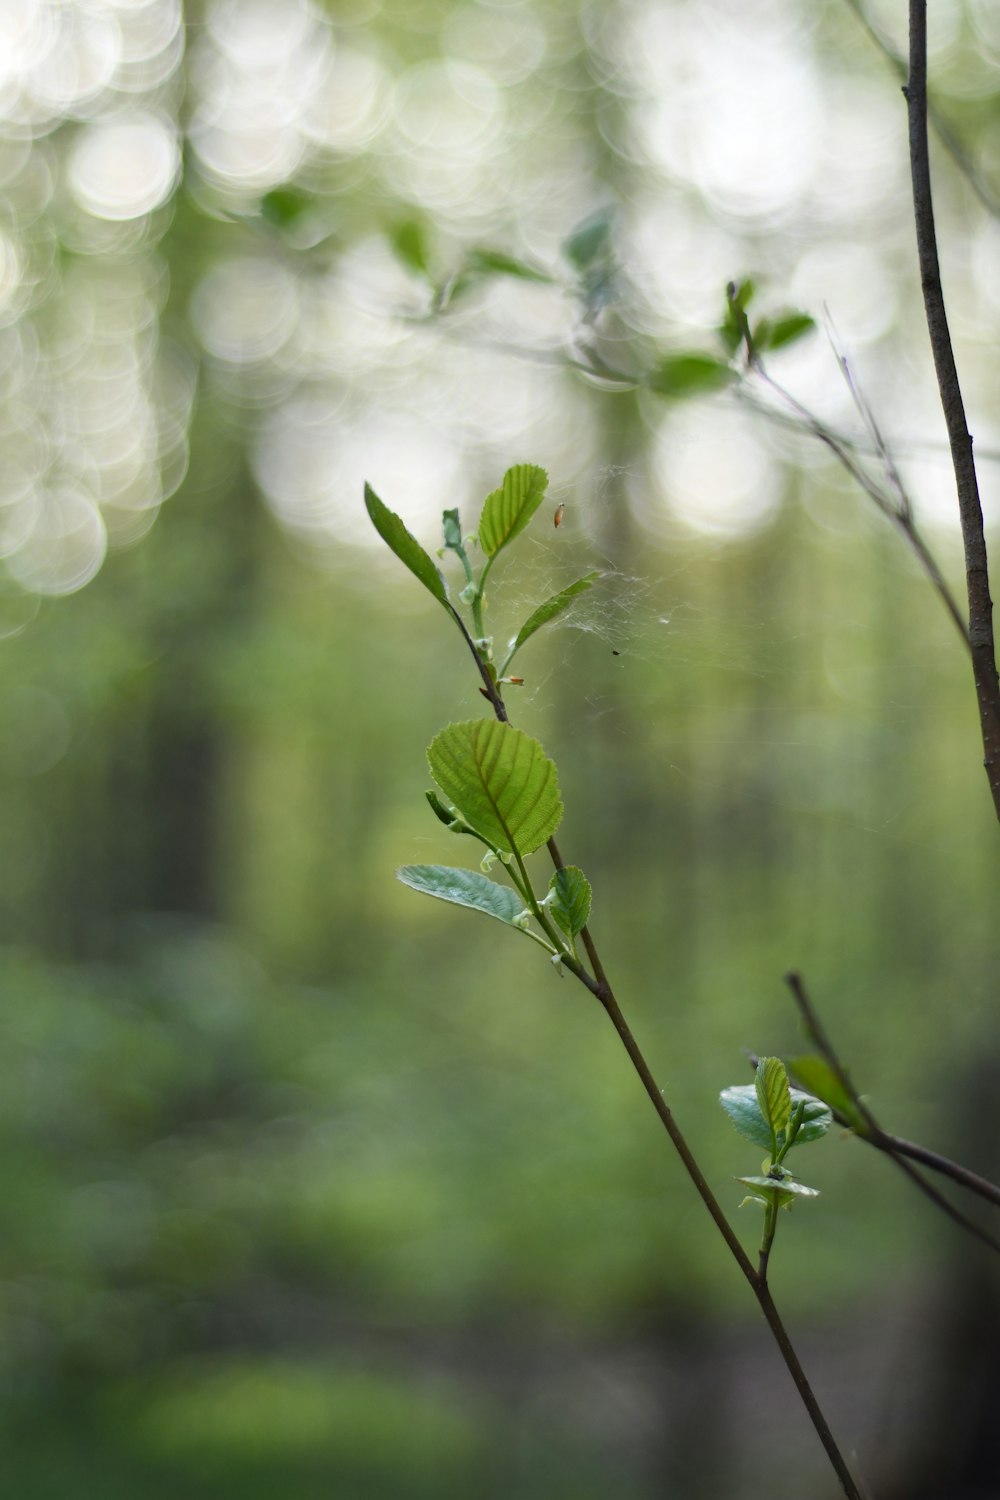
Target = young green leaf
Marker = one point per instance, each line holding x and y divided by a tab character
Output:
790	328
784	1189
816	1076
507	511
409	240
775	1101
451	524
406	547
570	899
464	888
590	240
688	375
552	606
284	206
743	1108
502	781
741	1105
816	1118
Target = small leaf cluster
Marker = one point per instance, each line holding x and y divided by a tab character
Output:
776	1117
506	512
495	783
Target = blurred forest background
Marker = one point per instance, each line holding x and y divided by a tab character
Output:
311	1187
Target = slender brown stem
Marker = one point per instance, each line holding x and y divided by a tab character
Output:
984	667
805	1391
598	984
943	1164
893	1146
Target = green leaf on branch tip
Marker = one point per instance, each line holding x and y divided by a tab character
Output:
507	511
283	206
452	526
689	375
590	240
741	1105
743	1108
788	329
569	900
501	780
465	888
406	547
816	1076
816	1118
409	240
551	608
783	1190
771	1084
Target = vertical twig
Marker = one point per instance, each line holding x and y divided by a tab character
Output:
984	667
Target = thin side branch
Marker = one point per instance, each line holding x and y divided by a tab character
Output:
900	1151
984	667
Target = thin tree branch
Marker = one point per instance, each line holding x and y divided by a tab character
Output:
943	1164
893	1146
893	501
984	667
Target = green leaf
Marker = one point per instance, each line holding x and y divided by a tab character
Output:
787	329
502	781
282	206
552	607
452	526
591	240
816	1118
741	1105
406	547
507	511
773	1095
816	1076
743	1108
410	242
688	375
570	903
784	1190
486	262
464	888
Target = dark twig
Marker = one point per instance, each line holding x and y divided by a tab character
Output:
893	1146
984	667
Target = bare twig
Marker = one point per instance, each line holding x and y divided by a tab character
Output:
891	497
895	1147
984	667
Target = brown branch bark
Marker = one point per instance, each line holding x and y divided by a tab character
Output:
984	667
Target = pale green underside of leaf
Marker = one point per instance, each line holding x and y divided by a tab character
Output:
507	511
786	1186
570	904
551	608
741	1105
406	547
501	780
464	888
772	1092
